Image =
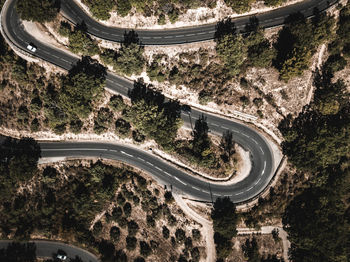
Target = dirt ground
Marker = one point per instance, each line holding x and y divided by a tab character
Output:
267	246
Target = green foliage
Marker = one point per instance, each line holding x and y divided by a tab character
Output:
82	87
133	228
114	234
298	41
227	145
273	2
145	249
18	252
152	116
131	243
18	163
311	139
81	43
232	51
317	225
116	102
239	6
123	7
251	250
65	29
165	232
103	120
196	234
38	10
100	8
224	217
129	59
122	127
201	143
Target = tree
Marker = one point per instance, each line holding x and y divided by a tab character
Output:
227	145
123	7
81	43
101	8
224	217
251	250
201	142
232	51
38	10
82	87
129	58
114	233
17	252
145	249
240	6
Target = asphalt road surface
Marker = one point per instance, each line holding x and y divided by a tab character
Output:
273	18
261	155
48	249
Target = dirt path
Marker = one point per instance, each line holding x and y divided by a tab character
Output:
206	230
268	230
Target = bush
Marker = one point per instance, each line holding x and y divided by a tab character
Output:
65	29
97	228
180	235
123	7
150	221
116	102
131	243
196	234
165	232
81	43
100	8
38	10
122	127
133	228
114	234
145	249
127	209
168	197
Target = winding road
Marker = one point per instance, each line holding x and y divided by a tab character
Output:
47	249
260	152
276	17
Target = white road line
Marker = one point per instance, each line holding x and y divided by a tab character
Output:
214	125
201	33
254	141
227	195
159	168
264	166
249	188
190	34
240	193
205	191
157	37
170	36
180	36
216	194
212	31
146	37
126	154
261	150
141	159
234	131
180	181
115	35
246	135
65	60
224	127
149	163
167	173
196	188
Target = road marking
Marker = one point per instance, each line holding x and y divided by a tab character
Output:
246	135
65	60
146	37
250	188
190	34
180	36
234	131
157	37
224	127
216	194
126	154
214	125
167	173
227	195
149	163
254	141
159	168
240	193
212	31
115	35
205	191
264	166
170	36
141	159
201	33
180	181
196	188
261	150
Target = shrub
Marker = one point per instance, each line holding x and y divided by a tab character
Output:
145	249
133	228
114	233
165	232
38	10
131	243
